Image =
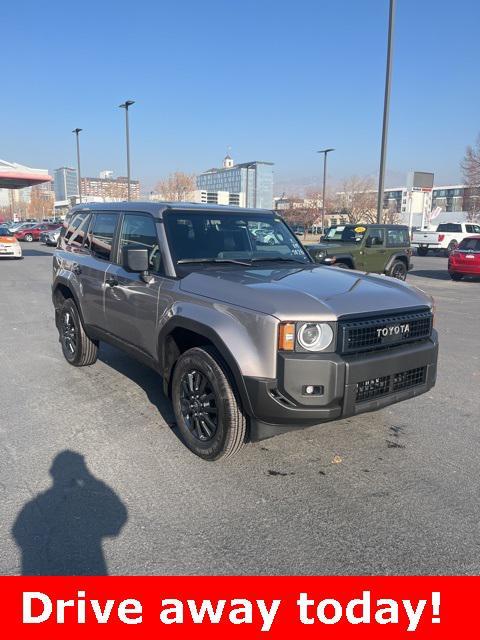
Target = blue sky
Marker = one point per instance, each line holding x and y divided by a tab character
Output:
276	80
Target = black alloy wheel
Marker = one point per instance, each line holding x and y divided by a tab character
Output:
199	405
399	270
68	334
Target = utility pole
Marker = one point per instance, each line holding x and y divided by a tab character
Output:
386	109
324	151
79	178
125	105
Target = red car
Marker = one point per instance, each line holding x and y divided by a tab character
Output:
33	233
465	260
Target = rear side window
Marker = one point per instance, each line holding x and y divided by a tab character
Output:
76	231
472	228
397	238
470	244
140	231
100	235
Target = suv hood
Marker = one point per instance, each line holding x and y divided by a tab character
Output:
304	293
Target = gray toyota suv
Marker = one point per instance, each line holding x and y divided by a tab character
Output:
250	336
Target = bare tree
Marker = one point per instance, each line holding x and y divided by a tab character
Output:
176	187
357	199
470	166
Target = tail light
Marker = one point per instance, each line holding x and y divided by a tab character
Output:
441	237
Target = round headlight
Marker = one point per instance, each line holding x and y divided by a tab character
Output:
315	336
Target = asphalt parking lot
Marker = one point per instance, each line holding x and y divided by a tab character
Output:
395	492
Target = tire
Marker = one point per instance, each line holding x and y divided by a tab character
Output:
422	251
455	276
28	237
451	248
211	438
398	270
79	350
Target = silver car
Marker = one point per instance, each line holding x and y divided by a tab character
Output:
251	339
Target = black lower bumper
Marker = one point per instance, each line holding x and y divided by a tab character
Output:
388	377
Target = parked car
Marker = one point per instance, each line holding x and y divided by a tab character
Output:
465	260
445	239
29	234
375	248
9	245
50	238
16	226
251	340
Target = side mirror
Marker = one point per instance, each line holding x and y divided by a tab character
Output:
135	259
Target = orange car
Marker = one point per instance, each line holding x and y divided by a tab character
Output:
9	245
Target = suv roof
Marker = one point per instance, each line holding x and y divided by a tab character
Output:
157	209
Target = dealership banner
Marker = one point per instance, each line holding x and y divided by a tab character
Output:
239	607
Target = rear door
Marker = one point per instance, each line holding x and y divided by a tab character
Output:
130	303
99	245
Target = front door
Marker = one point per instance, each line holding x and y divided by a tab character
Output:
374	251
131	305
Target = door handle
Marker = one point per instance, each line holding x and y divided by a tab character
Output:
112	282
76	268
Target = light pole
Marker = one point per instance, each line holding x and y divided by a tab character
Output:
79	178
324	151
125	105
386	109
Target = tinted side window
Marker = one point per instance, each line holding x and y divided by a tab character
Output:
450	227
397	238
140	231
101	233
375	237
76	232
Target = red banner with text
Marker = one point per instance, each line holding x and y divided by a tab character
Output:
238	607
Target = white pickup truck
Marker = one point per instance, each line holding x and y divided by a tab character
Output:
445	239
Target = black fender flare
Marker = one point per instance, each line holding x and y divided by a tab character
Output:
396	256
65	283
212	336
347	258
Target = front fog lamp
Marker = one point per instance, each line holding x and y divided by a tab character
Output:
314	336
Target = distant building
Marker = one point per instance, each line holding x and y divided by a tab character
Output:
110	189
249	183
65	183
106	174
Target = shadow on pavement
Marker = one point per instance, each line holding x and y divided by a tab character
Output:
435	274
141	375
60	531
35	252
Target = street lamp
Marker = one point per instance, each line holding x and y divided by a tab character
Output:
76	132
324	151
125	105
386	109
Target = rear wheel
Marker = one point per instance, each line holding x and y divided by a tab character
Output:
208	412
398	270
455	276
422	251
78	349
451	247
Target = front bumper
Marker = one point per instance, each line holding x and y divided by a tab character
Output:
282	404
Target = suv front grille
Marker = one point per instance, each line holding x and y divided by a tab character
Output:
382	333
376	387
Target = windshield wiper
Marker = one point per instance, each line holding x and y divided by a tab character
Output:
212	260
281	259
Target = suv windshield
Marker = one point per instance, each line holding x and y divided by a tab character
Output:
350	233
211	236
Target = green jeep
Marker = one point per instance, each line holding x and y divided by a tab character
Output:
377	248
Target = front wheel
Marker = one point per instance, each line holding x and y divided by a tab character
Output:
398	270
77	347
207	410
28	237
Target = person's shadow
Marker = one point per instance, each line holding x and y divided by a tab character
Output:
60	531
